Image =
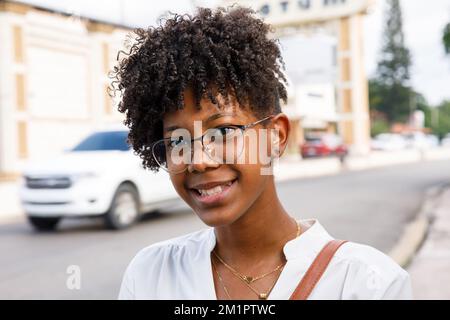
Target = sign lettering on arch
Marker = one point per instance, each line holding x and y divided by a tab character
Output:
297	12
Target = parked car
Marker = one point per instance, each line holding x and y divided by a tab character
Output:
321	145
388	142
445	142
433	140
420	140
99	177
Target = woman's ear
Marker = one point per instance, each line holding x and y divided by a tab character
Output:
281	126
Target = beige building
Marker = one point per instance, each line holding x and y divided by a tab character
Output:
344	21
53	79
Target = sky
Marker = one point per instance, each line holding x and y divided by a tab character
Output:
423	24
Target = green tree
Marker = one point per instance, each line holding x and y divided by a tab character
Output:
389	91
394	101
446	38
437	118
440	119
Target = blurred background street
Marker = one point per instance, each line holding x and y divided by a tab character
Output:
371	206
368	155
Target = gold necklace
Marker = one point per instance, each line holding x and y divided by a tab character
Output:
249	279
220	280
264	295
261	295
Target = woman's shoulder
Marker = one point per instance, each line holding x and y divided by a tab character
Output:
157	261
172	248
352	254
371	273
367	256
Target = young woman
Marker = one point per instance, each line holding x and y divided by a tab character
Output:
201	93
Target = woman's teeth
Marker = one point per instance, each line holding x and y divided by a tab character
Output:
210	192
215	190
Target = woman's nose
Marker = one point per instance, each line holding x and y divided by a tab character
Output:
200	160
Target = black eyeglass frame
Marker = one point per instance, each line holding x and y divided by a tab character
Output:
241	127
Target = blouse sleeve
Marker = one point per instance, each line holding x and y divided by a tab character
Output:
145	267
372	275
399	289
127	286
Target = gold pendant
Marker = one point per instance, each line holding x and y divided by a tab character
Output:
248	279
263	296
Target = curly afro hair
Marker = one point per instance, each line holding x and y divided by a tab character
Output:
227	49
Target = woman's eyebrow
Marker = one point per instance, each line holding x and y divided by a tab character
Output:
219	115
210	118
171	128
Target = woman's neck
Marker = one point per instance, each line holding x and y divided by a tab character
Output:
259	233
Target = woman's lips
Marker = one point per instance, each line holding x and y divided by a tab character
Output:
216	197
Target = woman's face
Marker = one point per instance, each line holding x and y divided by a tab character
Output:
219	193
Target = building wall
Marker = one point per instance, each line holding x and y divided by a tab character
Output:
53	80
316	103
353	85
343	20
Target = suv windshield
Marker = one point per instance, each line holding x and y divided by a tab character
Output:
108	140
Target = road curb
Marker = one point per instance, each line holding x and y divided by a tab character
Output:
415	232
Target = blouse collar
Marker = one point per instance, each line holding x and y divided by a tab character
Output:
309	243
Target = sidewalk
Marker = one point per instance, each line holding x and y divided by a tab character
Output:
430	268
10	207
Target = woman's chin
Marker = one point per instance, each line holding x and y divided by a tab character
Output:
217	217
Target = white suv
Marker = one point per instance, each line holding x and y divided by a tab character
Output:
99	177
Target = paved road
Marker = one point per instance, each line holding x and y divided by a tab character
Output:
369	207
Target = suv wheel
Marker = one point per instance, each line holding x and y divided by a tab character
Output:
44	224
124	209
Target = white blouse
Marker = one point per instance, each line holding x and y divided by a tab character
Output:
180	268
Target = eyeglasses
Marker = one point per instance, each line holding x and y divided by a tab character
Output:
222	144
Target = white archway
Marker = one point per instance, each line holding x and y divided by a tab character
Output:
344	20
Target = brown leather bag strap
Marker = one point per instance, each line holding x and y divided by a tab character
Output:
315	271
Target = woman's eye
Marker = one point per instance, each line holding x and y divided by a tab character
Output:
173	143
225	131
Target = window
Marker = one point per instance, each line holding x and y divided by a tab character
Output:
102	141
